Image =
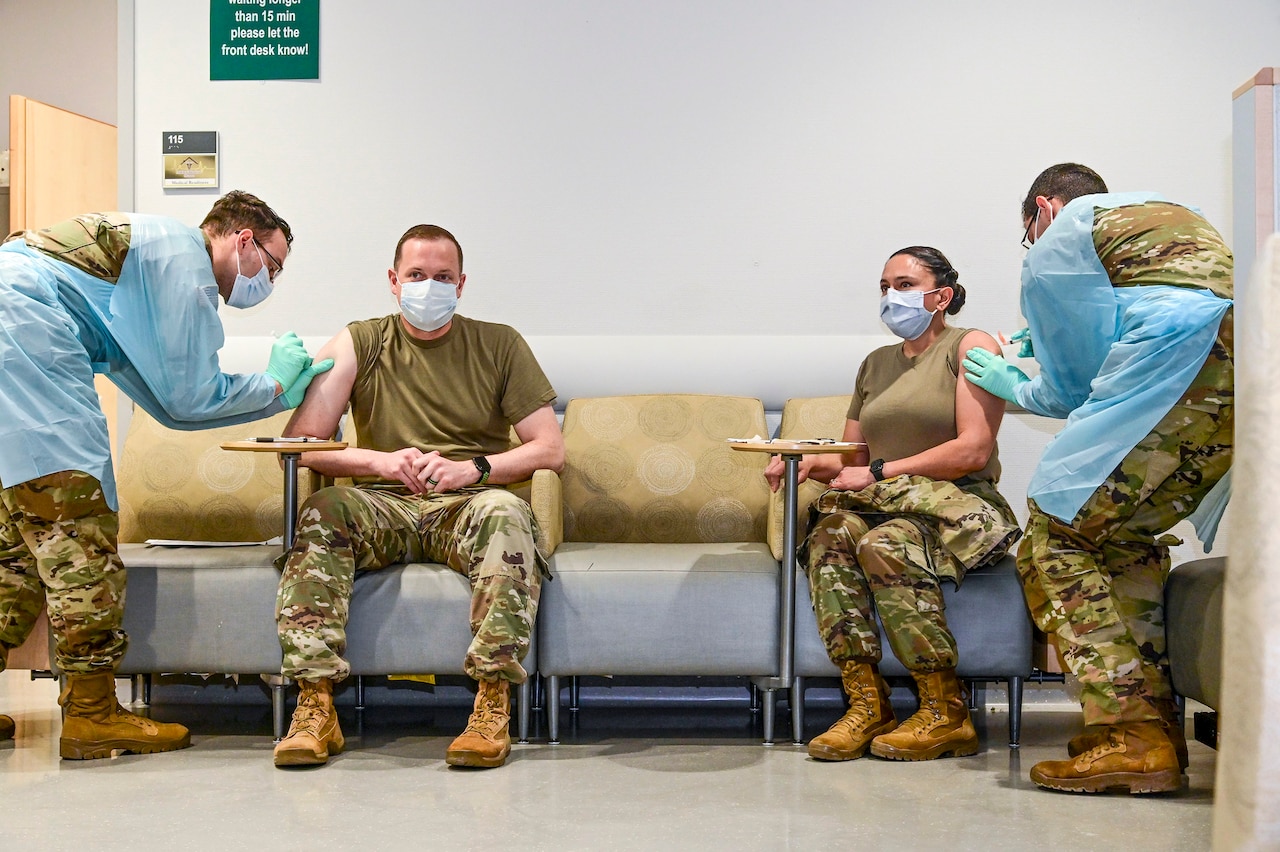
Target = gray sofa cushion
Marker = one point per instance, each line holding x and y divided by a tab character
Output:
1193	628
660	609
987	614
192	609
412	619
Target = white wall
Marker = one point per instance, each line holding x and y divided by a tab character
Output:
718	167
62	52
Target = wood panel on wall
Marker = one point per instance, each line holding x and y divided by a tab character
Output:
61	164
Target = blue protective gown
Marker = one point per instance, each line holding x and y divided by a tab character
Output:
155	334
1113	360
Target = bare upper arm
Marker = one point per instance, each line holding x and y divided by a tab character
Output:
975	407
329	393
540	424
541	427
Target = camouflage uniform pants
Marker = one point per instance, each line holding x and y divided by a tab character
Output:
486	534
58	547
855	569
1098	582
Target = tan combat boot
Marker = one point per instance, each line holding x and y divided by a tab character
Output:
1096	735
940	727
6	728
313	733
95	725
1135	756
870	714
486	741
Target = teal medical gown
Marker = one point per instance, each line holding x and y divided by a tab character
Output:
155	334
1113	360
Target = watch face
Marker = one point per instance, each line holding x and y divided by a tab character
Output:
482	464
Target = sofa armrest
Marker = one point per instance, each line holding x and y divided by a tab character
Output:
547	500
809	491
774	528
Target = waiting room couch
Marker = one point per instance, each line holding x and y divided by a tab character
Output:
212	610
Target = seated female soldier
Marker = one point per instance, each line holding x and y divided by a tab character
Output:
917	506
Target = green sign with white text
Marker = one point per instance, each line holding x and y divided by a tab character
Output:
264	39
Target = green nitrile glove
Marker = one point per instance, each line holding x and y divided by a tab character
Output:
293	396
288	359
992	373
1026	350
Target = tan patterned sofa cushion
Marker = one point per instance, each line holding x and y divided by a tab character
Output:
812	417
183	485
658	469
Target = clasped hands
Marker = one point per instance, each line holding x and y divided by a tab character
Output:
423	473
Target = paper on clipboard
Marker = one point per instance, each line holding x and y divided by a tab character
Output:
808	442
176	542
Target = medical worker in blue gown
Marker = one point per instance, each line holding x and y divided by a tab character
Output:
134	297
1128	305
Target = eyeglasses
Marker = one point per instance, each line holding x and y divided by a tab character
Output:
1027	241
279	266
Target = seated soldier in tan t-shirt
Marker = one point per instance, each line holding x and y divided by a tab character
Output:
433	397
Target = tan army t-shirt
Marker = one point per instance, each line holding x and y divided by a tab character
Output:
458	394
908	405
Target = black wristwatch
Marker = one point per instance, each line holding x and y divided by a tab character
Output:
877	469
482	465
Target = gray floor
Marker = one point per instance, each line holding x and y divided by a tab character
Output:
623	778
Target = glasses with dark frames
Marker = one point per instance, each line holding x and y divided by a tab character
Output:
279	266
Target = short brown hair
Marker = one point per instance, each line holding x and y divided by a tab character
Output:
427	232
1065	182
238	210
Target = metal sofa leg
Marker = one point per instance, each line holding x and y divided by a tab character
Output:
278	684
525	697
360	692
553	709
1015	711
770	706
140	690
797	710
574	694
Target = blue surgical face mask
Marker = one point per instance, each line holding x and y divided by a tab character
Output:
904	312
247	292
428	305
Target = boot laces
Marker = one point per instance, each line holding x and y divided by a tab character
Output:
863	699
1111	743
928	714
308	718
487	719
